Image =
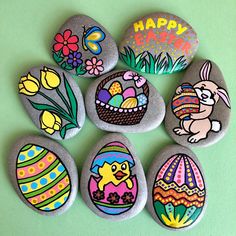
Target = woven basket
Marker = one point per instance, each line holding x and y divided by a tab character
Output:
119	116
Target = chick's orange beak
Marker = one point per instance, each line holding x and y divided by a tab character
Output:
119	175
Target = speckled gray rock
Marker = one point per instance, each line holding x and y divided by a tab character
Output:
124	101
113	184
53	100
84	47
158	43
199	112
177	196
43	174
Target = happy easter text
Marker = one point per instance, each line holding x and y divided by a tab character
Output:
161	37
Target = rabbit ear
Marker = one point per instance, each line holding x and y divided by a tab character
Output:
224	96
205	71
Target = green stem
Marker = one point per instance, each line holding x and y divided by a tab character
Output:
65	101
62	112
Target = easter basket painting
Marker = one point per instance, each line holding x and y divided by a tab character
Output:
122	98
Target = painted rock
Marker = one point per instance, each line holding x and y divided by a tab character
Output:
144	113
113	183
199	116
85	48
159	43
43	174
176	188
53	100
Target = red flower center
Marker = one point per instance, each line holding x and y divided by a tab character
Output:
65	42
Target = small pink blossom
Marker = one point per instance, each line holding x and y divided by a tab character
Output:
94	66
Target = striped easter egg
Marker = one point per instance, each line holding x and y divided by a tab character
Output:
179	192
45	176
185	103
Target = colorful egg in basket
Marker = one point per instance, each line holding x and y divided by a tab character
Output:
113	191
122	98
185	103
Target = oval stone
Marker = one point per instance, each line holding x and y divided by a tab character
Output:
199	112
176	188
159	43
145	112
84	47
113	183
43	174
53	100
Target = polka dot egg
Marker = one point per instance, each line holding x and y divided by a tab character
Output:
42	178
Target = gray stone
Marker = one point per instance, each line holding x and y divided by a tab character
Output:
85	48
53	100
177	197
43	174
113	176
159	43
123	101
199	112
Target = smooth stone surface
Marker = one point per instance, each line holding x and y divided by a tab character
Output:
43	174
142	113
177	197
113	176
158	43
199	111
53	100
84	47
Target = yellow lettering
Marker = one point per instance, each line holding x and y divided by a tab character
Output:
172	24
138	26
161	22
150	23
181	29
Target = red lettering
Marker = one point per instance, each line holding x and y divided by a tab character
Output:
178	43
163	36
138	39
171	38
186	47
151	35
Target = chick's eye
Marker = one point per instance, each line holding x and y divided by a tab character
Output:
123	167
202	88
113	168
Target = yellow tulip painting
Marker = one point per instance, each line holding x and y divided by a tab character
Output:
28	85
50	122
53	116
49	78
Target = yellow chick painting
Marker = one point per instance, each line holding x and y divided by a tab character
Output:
112	186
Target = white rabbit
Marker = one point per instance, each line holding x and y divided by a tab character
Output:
209	94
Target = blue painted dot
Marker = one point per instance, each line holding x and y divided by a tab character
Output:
57	204
38	148
24	188
43	181
52	175
34	185
22	157
61	168
47	209
31	153
65	199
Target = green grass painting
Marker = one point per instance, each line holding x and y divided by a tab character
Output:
157	64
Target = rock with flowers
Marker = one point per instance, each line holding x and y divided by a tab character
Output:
84	47
177	195
113	183
43	174
124	101
53	100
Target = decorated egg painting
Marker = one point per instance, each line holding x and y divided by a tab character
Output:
113	188
115	88
42	179
178	193
113	183
185	102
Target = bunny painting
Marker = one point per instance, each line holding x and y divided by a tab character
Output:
202	106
